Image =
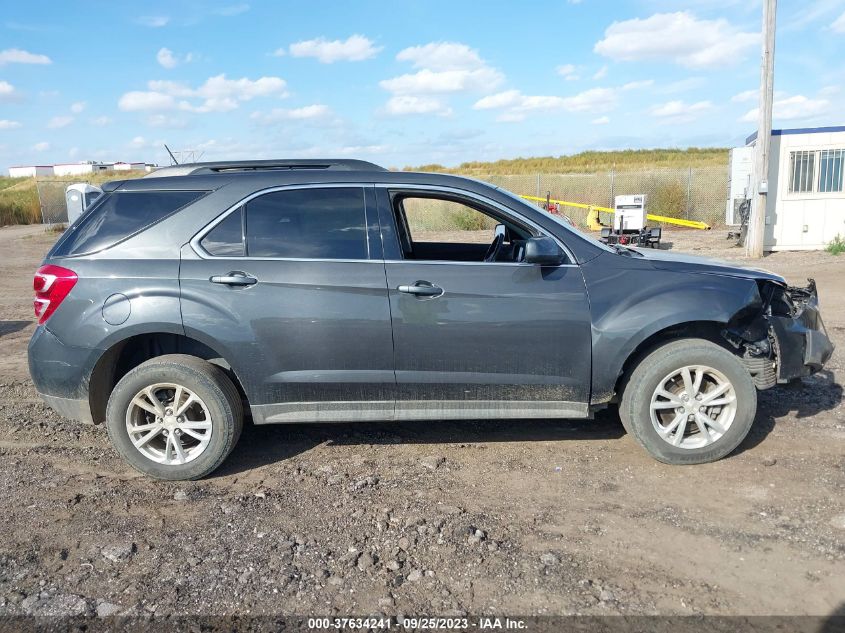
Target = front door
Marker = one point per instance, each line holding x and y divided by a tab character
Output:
477	332
290	289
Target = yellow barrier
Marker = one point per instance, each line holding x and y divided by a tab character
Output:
692	224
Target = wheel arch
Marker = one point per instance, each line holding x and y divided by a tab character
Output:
707	330
127	353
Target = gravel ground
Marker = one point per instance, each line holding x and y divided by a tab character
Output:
531	518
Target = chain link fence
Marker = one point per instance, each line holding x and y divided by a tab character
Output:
51	199
688	193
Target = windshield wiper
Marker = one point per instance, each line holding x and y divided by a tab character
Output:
624	250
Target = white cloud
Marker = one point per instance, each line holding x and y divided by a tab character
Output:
18	56
154	21
232	10
77	107
682	85
7	91
796	107
443	68
278	115
166	58
746	95
409	104
166	121
679	37
499	100
838	25
58	122
595	99
428	81
442	56
101	121
601	73
6	124
217	94
356	48
137	100
636	85
517	105
679	111
602	120
43	146
568	72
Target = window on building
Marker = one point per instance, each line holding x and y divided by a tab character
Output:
830	170
801	171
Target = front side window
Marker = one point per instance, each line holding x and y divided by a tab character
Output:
313	223
438	220
441	228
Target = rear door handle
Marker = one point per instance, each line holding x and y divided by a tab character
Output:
234	278
421	289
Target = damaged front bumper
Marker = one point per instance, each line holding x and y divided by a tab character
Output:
802	345
781	336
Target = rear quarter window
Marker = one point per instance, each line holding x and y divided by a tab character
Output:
119	215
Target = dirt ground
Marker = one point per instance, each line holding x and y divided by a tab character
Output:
557	517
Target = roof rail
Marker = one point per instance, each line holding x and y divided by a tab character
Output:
230	166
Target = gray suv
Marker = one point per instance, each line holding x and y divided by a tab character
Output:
337	291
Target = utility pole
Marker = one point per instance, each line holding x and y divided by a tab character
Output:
757	221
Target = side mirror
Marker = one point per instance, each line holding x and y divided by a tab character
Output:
502	230
543	251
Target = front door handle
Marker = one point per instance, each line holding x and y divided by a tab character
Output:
234	278
421	289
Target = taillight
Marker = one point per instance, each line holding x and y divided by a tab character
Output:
51	284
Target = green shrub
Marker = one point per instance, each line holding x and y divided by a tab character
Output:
836	246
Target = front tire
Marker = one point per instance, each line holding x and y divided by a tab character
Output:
689	402
175	417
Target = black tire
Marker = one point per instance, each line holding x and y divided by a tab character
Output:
635	406
209	382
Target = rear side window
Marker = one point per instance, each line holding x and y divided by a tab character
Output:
119	215
307	223
227	238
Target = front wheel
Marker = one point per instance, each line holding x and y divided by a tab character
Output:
175	417
689	402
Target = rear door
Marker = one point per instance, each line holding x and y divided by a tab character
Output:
290	288
475	338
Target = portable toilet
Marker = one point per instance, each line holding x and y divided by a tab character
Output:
630	216
79	197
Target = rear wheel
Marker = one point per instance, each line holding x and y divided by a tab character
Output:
175	417
689	402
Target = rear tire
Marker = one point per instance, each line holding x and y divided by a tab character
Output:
689	402
175	417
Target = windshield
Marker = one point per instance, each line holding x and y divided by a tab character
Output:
560	221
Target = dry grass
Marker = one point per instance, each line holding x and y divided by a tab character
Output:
19	202
587	162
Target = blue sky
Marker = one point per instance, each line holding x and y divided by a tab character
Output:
402	82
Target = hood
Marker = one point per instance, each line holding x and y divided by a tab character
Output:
665	260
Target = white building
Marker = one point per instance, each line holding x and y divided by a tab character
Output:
805	207
30	171
121	166
79	169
